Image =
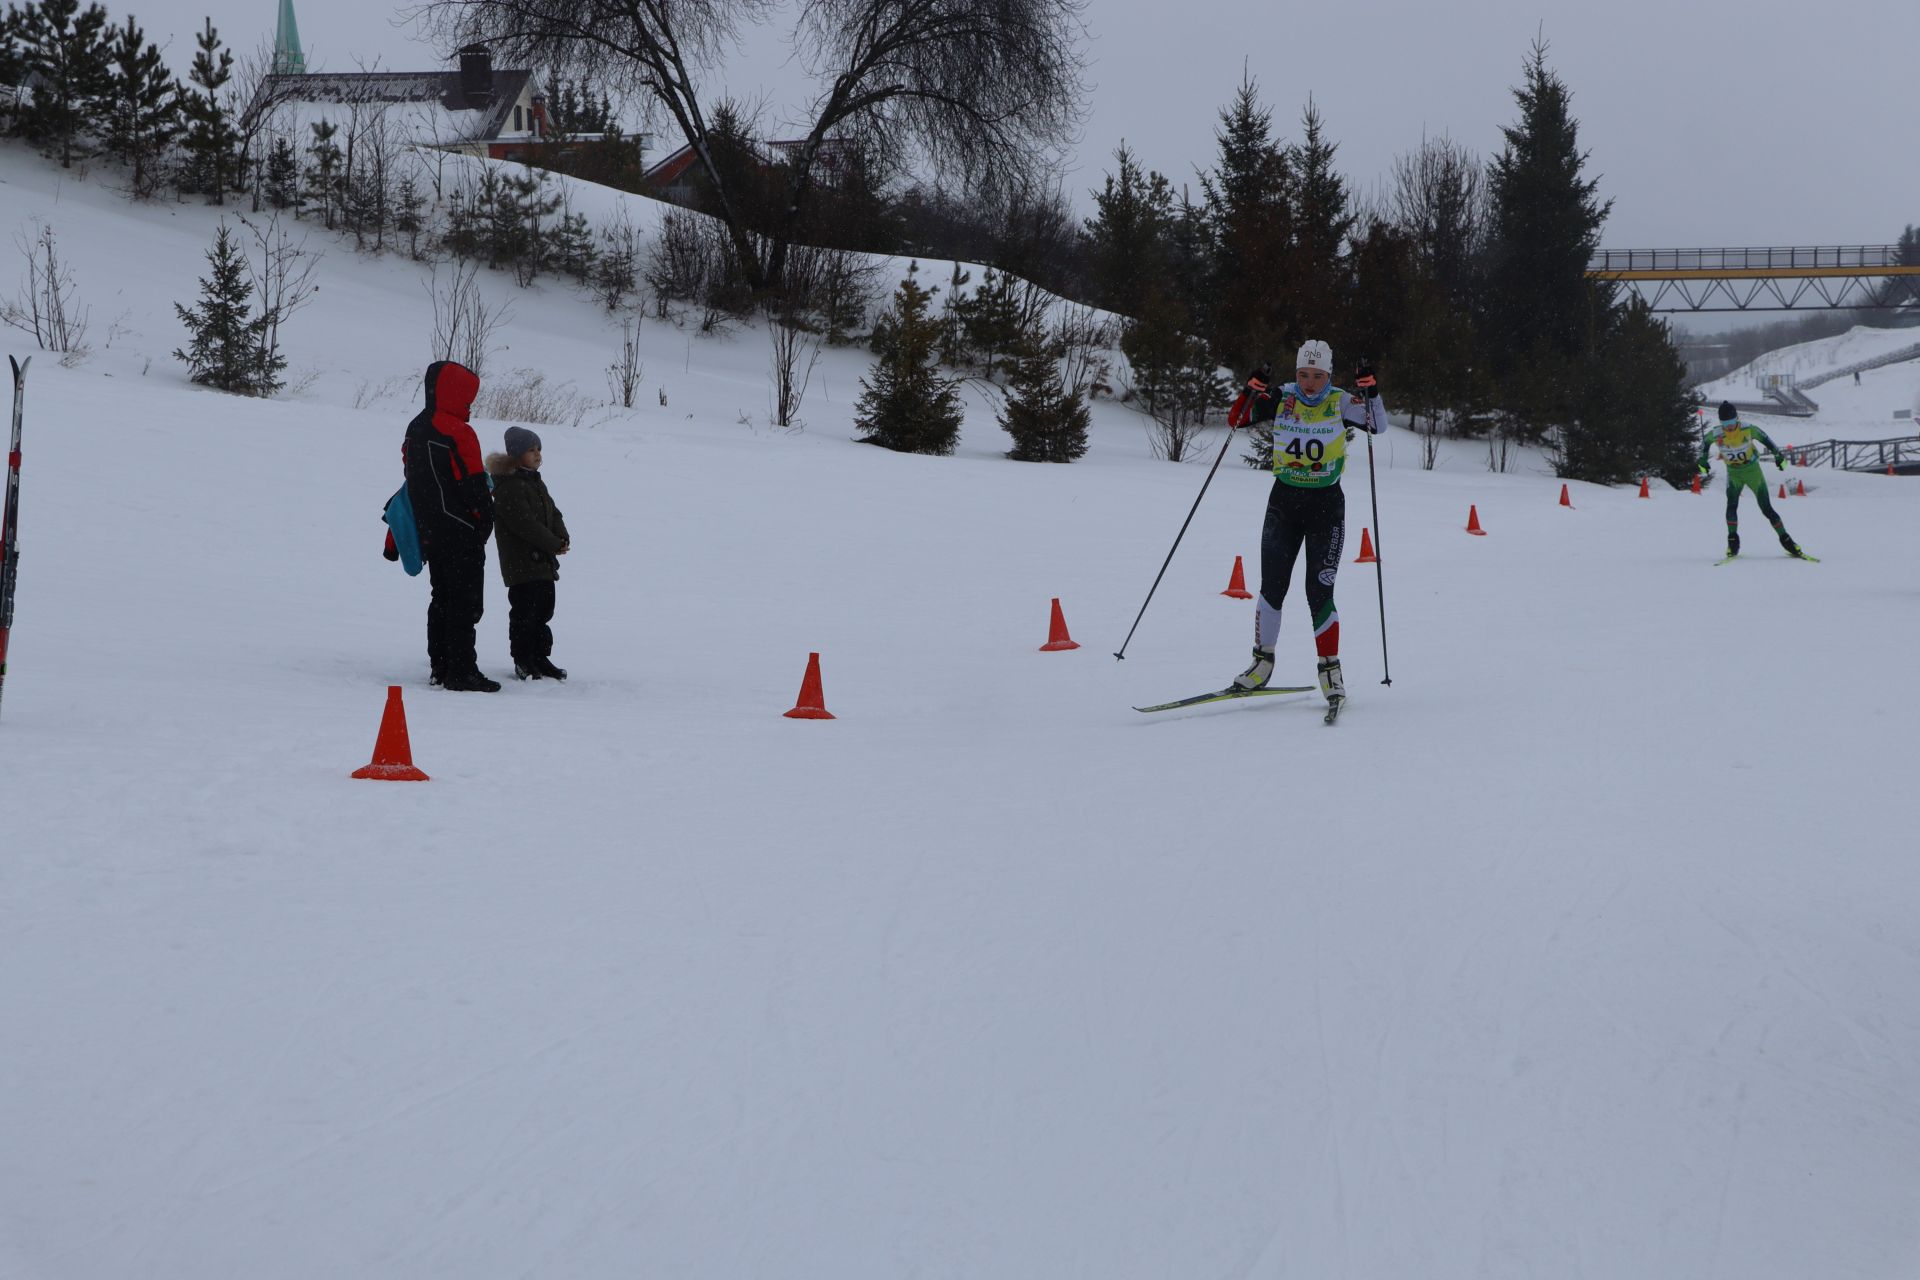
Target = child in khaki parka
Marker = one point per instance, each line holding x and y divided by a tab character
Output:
529	537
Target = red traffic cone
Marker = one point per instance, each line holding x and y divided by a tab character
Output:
1236	587
812	704
1889	468
1643	488
1566	499
1473	522
1057	637
1696	482
1366	555
392	753
1783	489
1800	488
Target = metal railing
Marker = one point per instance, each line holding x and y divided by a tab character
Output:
1861	366
1902	454
1803	257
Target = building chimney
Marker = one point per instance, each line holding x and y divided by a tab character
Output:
476	76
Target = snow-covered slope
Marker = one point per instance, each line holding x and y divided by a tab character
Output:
1848	410
1584	949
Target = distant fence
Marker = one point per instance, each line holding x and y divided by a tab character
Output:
1861	366
1903	455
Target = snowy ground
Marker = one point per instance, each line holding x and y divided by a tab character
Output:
1585	949
1865	411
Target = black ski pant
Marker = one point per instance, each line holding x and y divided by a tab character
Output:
1315	519
529	610
458	574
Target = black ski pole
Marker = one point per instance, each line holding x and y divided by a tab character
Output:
1373	489
10	521
1175	547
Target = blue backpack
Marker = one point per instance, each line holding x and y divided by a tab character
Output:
406	537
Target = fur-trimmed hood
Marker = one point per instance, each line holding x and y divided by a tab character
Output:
500	465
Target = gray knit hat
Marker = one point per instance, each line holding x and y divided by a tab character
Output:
519	440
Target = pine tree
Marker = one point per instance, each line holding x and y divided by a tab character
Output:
70	51
283	175
905	404
1133	214
1248	198
212	142
227	349
1319	267
145	114
409	213
1544	223
1634	416
323	174
1048	423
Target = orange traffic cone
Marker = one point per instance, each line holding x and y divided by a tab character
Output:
1566	499
1889	468
392	753
1783	489
1696	482
1643	488
1057	637
1366	555
1236	587
1473	522
1800	489
813	703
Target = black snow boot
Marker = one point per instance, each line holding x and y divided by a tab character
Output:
469	682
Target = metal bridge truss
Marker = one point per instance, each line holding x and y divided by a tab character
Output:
1839	277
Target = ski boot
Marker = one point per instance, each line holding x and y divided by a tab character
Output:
1791	547
1733	545
1333	686
1256	676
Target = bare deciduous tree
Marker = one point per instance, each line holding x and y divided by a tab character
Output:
464	322
795	352
624	374
47	305
283	282
973	86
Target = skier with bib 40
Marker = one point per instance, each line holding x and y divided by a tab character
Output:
1740	447
1311	420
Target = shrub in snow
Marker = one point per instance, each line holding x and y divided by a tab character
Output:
1048	423
904	403
228	348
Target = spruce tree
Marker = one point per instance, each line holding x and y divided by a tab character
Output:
1319	269
323	173
212	142
227	348
145	115
1248	197
283	175
1543	225
1634	415
71	52
905	404
1048	423
1133	215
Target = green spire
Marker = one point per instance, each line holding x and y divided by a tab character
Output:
287	58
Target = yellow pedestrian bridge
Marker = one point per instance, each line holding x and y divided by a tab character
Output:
1797	278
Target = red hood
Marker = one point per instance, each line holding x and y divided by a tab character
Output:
451	388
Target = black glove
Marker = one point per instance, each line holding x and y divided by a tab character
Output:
1260	379
1363	378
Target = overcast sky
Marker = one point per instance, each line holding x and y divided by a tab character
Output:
1709	123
